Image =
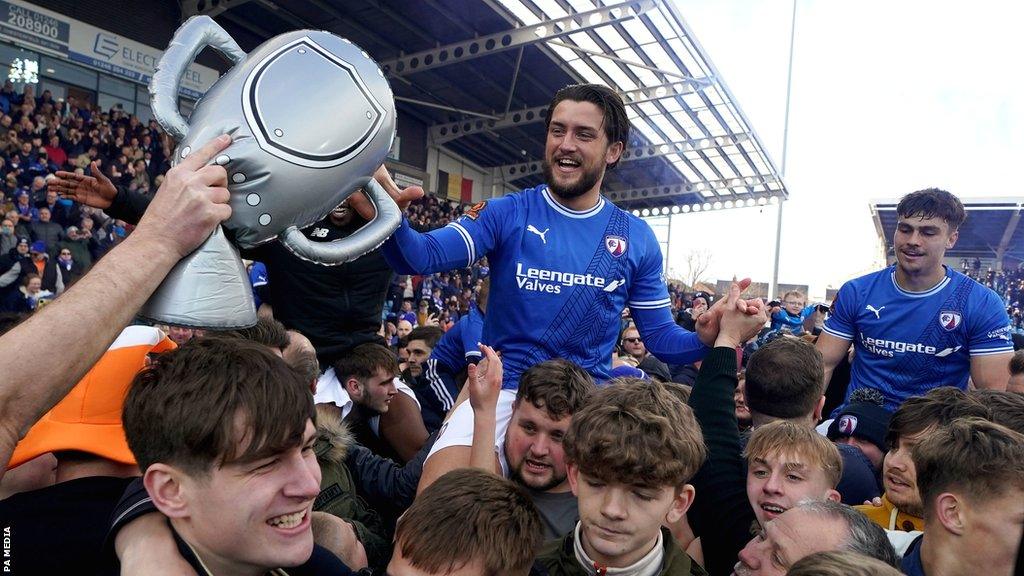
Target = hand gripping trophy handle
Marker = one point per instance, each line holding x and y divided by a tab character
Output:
282	180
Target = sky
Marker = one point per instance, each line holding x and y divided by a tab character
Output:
888	97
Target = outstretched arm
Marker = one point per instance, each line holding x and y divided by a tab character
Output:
99	192
668	341
192	201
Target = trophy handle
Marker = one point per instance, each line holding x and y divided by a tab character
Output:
343	250
196	33
209	288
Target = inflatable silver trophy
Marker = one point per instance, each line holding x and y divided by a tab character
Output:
311	118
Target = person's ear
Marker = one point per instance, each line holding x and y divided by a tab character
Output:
613	153
818	409
952	239
680	503
834	496
573	475
165	485
354	388
949	511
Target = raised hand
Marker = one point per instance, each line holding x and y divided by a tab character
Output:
192	201
96	191
484	380
708	323
736	326
402	197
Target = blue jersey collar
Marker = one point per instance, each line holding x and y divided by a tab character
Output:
934	289
571	213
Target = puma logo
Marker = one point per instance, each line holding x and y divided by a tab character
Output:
532	228
878	311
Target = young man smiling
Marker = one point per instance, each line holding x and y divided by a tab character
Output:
631	452
235	471
787	464
919	324
565	261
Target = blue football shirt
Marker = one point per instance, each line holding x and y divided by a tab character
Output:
559	279
460	344
906	343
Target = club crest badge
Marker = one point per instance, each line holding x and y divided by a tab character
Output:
473	212
949	319
616	245
847	424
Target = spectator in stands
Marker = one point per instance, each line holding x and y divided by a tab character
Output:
524	431
403	329
7	238
900	507
888	314
808	528
27	213
235	473
792	312
14	267
52	280
630	452
467	523
1016	383
69	269
45	230
972	519
78	246
94	464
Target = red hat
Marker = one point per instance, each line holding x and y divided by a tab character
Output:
88	419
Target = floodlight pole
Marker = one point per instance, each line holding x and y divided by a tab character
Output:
773	287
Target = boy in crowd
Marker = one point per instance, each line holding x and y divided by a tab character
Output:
971	477
791	313
900	507
631	451
234	472
467	523
782	384
787	464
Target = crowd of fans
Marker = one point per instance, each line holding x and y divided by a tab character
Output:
410	453
1007	282
51	241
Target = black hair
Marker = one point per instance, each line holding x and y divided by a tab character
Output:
931	203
